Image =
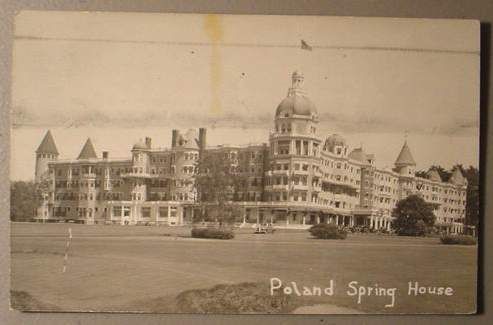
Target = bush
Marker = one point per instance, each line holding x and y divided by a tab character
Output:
413	216
327	231
458	240
420	228
235	298
216	233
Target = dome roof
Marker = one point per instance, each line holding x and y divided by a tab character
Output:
335	140
139	145
296	105
358	154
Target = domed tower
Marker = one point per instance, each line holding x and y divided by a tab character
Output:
45	153
294	173
295	123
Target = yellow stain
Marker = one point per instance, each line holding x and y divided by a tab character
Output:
214	30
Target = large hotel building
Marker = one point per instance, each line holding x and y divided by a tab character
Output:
296	179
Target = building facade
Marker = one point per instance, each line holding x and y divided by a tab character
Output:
296	179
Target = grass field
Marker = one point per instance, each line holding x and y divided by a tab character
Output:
138	268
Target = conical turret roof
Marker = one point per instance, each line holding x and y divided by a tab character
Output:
405	157
47	145
88	151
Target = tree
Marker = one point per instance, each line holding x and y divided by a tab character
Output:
422	173
472	200
413	216
218	181
24	199
444	174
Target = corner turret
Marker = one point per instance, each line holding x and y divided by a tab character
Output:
46	152
405	164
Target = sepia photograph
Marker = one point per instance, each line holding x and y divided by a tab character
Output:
244	164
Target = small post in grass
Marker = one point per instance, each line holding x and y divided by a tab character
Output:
65	258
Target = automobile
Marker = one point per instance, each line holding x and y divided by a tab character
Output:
264	229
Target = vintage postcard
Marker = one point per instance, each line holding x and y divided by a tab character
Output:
188	163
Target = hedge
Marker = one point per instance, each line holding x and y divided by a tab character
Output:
458	240
235	298
327	231
216	233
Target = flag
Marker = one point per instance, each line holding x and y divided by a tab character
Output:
305	46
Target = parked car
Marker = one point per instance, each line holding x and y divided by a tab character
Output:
267	228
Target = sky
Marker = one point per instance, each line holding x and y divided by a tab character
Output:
118	77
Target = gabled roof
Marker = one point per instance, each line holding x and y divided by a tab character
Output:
434	175
405	157
47	145
457	177
88	151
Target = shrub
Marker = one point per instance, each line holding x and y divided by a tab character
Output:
413	216
235	298
216	233
420	228
458	240
327	231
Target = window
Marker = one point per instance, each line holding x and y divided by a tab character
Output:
283	147
146	212
163	212
117	211
126	211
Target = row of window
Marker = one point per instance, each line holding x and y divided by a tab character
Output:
71	196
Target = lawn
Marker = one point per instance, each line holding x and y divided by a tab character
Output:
139	268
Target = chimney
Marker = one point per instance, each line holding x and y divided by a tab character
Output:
202	138
174	135
105	155
148	142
